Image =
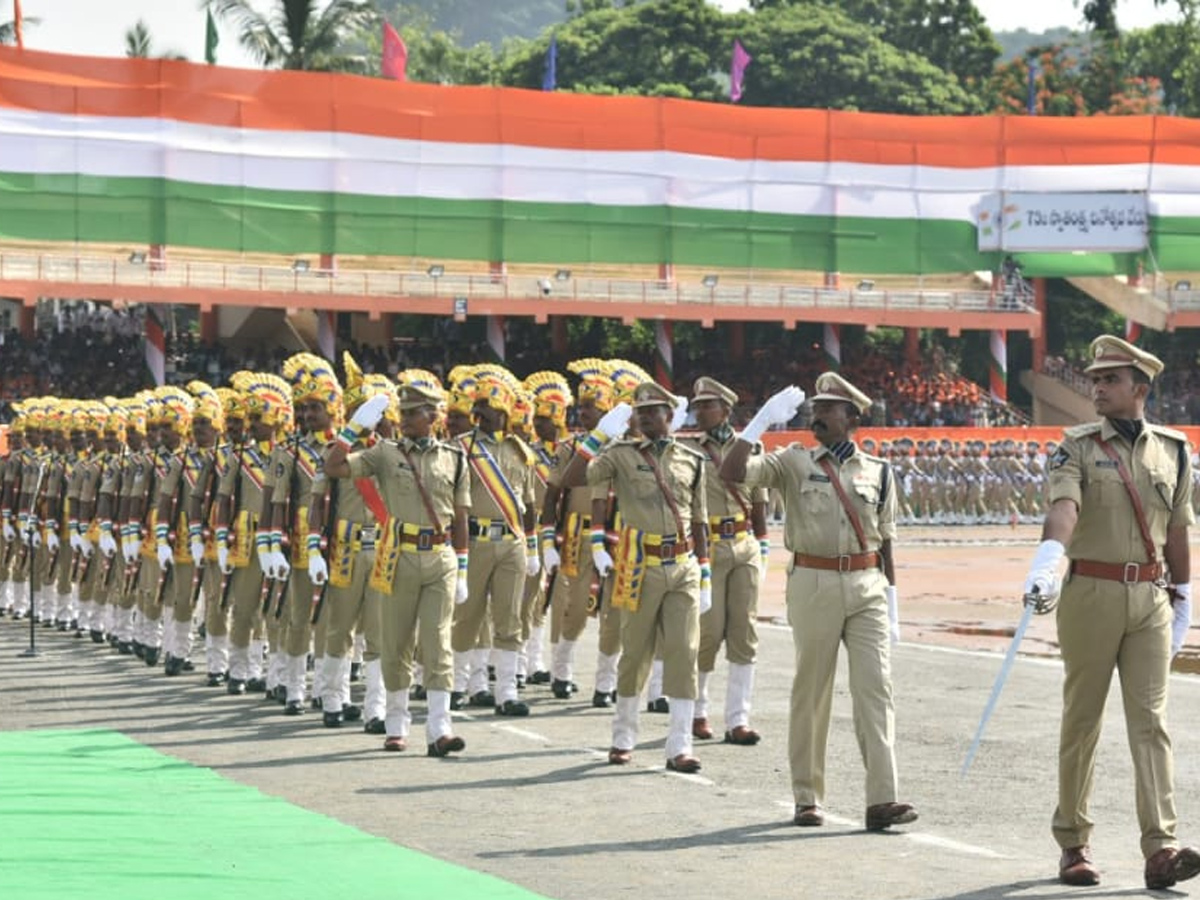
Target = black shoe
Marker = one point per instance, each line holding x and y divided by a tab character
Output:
256	685
446	745
112	640
458	700
294	708
139	649
540	677
174	665
216	679
484	699
520	682
356	671
332	720
562	689
151	657
375	726
97	636
491	673
602	699
125	648
661	705
62	626
202	631
316	703
417	692
188	665
278	694
235	686
351	713
512	708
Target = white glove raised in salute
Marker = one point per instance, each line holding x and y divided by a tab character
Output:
615	422
367	416
679	415
780	408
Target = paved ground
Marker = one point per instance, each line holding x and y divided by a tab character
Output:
532	801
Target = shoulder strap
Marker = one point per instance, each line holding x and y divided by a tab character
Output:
1134	498
679	530
421	487
730	487
851	512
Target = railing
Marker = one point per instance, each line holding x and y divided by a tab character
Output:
232	276
1064	374
1179	300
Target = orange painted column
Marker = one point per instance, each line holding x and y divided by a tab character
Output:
497	268
1039	342
25	321
558	335
329	262
737	341
158	257
912	346
666	272
210	325
833	280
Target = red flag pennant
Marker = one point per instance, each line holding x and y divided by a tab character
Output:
395	54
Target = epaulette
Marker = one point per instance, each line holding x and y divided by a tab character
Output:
453	445
530	459
1081	431
692	450
1167	432
871	456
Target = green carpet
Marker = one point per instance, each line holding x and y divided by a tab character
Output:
94	814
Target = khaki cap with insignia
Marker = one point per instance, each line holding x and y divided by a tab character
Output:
1110	352
651	393
832	386
415	395
707	388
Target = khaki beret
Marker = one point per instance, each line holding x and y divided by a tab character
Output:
832	386
707	388
414	395
651	393
1109	352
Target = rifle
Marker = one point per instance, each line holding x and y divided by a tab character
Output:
110	561
133	571
289	511
234	496
206	504
318	599
168	572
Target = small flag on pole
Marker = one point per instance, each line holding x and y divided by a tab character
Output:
737	71
156	345
18	25
211	39
833	346
326	333
550	76
1031	99
395	54
1133	331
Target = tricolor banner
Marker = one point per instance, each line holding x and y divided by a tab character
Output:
833	346
156	345
141	152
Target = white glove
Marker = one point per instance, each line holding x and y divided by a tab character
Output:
85	547
679	416
550	558
108	544
223	558
368	415
615	422
280	565
266	561
533	564
318	571
602	561
460	589
197	549
75	541
780	408
1181	618
10	533
165	556
1043	571
893	603
35	538
705	598
52	541
135	546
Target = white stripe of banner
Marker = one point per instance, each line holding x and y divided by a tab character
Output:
156	346
40	143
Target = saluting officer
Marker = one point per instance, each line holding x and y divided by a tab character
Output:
1120	508
841	510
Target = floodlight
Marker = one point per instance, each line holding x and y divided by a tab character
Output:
300	265
562	275
709	281
437	270
138	258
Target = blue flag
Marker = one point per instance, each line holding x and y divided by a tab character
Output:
550	76
1031	100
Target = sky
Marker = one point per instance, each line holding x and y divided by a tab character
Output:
97	27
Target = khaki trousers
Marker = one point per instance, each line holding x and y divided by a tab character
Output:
825	610
295	622
609	642
568	606
419	611
344	606
1104	625
667	617
216	620
495	583
244	599
732	620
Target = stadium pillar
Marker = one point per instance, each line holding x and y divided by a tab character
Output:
25	321
912	346
666	272
158	257
329	263
497	268
210	329
1039	342
737	341
558	335
833	280
664	354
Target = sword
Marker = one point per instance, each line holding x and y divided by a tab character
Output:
318	601
1030	604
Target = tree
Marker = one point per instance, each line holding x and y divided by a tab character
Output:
293	35
8	30
137	41
1101	15
474	21
1171	55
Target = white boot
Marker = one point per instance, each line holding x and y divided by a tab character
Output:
462	671
396	716
625	723
335	672
737	696
374	703
702	696
256	658
437	725
183	639
506	676
321	685
239	663
479	670
606	672
561	665
679	738
296	676
533	649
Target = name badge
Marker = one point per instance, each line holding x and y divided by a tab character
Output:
1106	464
824	479
644	468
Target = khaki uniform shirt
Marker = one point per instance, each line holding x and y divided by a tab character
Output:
1107	531
441	467
515	460
813	505
351	506
623	466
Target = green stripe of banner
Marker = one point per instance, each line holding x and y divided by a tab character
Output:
162	211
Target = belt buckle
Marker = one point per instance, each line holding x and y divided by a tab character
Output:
727	528
424	540
1126	577
667	550
843	563
495	531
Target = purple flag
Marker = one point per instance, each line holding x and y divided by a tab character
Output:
737	71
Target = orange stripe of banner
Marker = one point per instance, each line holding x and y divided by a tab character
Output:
1040	433
301	101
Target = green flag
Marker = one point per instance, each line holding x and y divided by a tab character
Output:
211	39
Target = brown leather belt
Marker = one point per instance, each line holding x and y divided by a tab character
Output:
425	540
1126	573
667	549
847	562
724	529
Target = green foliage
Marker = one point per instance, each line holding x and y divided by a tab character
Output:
1170	54
473	21
296	34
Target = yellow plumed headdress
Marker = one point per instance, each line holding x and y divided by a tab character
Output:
551	396
208	404
595	381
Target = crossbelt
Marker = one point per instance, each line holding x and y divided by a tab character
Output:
847	562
